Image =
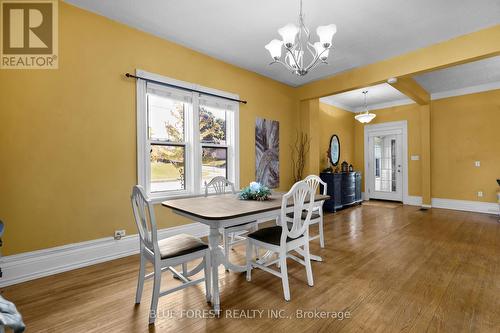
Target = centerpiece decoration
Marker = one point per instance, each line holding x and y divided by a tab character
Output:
255	191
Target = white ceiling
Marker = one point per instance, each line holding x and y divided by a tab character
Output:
477	76
378	97
236	31
471	77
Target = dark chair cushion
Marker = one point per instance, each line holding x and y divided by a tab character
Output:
270	235
304	215
180	245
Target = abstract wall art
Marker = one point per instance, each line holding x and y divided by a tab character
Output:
267	167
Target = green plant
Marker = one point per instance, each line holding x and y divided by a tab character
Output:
255	191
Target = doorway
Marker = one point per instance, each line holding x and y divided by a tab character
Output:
386	171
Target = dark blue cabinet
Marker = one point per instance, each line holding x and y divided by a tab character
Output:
343	188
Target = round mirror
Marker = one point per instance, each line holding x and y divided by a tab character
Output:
334	150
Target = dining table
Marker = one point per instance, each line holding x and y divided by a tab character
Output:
225	210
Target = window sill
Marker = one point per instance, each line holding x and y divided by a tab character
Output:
156	199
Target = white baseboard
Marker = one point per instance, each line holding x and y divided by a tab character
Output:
32	265
465	205
413	200
410	200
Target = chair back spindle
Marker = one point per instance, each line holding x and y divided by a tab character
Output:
299	193
314	181
144	219
219	184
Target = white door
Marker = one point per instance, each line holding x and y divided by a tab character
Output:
385	165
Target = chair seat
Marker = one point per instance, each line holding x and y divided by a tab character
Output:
270	235
304	215
180	245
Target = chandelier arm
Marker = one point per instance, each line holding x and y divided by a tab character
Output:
282	63
309	45
311	49
313	63
301	21
294	60
305	28
299	46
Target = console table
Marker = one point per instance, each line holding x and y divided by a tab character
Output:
344	189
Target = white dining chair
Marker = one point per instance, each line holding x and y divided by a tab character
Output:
284	238
234	234
317	216
165	253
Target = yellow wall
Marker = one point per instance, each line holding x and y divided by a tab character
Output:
465	129
308	124
410	113
333	120
68	136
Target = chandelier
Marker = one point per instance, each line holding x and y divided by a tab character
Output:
365	116
296	40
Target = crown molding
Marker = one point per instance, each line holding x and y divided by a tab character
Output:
466	90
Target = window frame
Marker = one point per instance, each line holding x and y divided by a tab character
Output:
192	142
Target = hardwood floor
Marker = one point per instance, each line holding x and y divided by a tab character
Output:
394	268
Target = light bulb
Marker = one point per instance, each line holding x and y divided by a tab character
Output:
321	51
288	33
274	48
325	34
365	117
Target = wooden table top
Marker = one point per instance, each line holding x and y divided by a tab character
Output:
227	206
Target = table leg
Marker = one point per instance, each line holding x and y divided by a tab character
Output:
213	243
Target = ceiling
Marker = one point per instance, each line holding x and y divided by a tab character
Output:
236	31
378	97
471	77
481	75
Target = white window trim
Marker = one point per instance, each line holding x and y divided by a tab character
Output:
193	188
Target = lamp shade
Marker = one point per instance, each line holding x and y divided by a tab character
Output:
274	48
325	34
288	33
365	117
321	51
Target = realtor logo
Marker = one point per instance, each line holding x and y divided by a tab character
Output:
29	34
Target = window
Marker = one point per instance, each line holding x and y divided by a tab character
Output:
184	139
213	134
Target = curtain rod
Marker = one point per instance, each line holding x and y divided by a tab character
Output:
184	88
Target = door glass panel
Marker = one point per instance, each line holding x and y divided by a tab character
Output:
384	153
